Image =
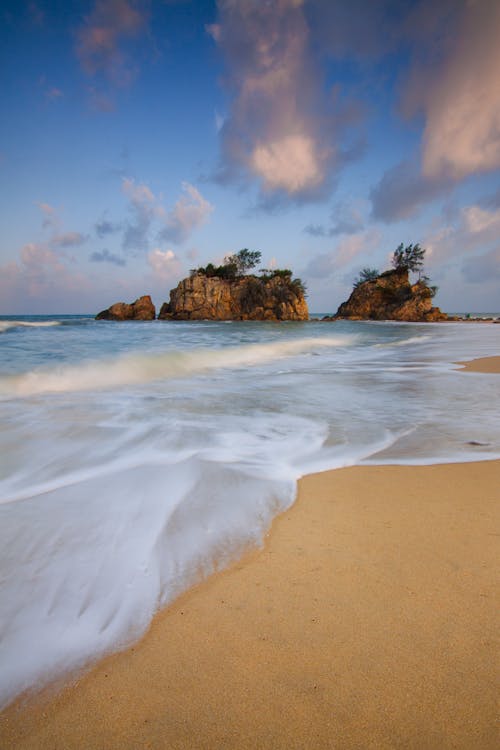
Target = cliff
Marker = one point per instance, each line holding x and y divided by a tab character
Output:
202	297
390	297
141	309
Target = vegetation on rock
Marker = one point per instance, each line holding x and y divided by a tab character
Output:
230	292
390	295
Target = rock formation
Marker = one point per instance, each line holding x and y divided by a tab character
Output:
141	309
390	296
202	297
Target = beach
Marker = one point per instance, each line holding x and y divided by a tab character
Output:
366	620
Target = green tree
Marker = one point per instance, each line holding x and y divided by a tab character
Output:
366	274
409	258
244	260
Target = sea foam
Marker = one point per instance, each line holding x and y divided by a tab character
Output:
135	460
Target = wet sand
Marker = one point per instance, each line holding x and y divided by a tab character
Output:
483	364
368	620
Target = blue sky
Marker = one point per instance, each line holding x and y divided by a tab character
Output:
142	138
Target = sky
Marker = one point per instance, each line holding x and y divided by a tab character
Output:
142	138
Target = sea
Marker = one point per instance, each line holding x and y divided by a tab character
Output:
137	458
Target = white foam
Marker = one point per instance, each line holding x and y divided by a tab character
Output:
5	325
143	368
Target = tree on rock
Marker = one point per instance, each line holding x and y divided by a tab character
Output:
366	274
409	258
244	260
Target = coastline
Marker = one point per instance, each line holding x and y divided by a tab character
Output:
367	620
482	364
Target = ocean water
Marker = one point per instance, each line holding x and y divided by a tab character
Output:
137	458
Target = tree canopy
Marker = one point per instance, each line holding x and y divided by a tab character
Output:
244	260
366	274
409	258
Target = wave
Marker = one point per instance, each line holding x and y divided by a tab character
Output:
403	342
134	369
5	325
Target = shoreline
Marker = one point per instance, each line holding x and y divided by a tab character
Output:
490	365
367	619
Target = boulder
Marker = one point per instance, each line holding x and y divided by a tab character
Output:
141	309
202	297
391	297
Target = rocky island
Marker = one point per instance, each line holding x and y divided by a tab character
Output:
225	292
141	309
390	295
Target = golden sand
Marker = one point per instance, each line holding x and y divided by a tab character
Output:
483	364
368	620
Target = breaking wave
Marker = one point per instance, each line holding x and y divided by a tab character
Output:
133	369
6	325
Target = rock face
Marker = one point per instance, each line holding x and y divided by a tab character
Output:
391	297
141	309
203	297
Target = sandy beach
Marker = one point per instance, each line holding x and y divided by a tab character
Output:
366	621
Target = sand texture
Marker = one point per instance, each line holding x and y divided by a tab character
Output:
482	364
366	621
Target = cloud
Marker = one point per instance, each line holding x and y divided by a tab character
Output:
479	220
460	97
403	190
101	41
483	268
282	129
191	211
345	218
164	263
104	256
51	93
38	279
471	231
452	85
68	239
50	218
103	228
346	251
144	207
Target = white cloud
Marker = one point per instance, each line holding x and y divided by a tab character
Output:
470	231
291	163
479	220
191	211
151	216
164	263
279	129
460	98
38	279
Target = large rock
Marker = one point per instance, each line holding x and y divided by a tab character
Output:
141	309
391	297
201	297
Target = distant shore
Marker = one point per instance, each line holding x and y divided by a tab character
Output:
367	620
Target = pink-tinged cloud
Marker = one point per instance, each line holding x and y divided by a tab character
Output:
153	220
460	97
280	129
101	41
345	254
165	264
68	239
471	233
402	190
38	281
50	217
190	212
